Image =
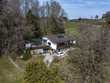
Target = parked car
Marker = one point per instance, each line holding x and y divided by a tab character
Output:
60	53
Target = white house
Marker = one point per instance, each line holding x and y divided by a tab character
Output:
58	42
55	44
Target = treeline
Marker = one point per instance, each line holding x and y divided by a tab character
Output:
22	20
45	19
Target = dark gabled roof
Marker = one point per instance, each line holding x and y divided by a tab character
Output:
59	38
34	41
39	47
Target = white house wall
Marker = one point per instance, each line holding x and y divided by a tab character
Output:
53	45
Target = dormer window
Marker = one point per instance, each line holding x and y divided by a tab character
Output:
60	36
44	41
49	43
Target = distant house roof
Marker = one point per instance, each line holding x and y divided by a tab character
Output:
39	47
59	38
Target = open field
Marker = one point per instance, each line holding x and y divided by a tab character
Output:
8	73
71	28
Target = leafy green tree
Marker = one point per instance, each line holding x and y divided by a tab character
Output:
96	17
38	72
33	21
106	17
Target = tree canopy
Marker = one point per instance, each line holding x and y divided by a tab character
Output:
38	72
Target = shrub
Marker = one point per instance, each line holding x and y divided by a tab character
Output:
26	55
38	72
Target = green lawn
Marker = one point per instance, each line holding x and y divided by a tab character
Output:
8	73
71	28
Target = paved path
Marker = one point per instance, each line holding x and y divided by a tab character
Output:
15	65
48	59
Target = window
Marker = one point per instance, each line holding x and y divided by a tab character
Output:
60	36
49	43
44	41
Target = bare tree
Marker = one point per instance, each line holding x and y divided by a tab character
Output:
56	17
35	7
88	60
53	14
12	27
